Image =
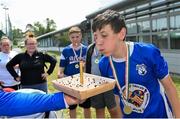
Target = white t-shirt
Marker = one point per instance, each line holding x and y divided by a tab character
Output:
5	76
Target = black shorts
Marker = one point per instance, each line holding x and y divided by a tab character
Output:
106	99
86	104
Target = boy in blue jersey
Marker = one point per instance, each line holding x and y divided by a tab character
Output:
69	64
106	99
20	104
144	85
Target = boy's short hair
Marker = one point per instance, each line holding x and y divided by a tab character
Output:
74	29
109	17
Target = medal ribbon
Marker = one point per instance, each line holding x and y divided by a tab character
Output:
76	54
96	53
126	73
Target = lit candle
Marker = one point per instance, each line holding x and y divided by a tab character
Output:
81	71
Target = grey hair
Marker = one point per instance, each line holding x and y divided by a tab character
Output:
5	38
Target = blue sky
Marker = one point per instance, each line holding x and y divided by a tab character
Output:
63	12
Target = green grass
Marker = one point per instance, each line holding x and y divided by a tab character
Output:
53	76
176	80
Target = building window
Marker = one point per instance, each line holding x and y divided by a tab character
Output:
158	8
144	27
159	13
176	3
156	2
144	16
144	38
129	10
159	24
174	22
160	40
131	28
143	12
175	40
178	9
142	6
174	10
130	15
131	38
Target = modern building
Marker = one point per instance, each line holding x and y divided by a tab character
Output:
150	21
59	38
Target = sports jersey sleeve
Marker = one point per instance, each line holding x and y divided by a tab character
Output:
19	104
159	64
62	59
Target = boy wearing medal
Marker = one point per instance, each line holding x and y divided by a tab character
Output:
144	85
106	99
69	64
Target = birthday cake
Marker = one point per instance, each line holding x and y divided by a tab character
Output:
92	85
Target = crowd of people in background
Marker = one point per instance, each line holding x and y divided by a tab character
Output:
143	89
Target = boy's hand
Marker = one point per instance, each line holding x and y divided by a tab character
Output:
60	75
71	100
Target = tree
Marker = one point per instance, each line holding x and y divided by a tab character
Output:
50	25
17	35
40	29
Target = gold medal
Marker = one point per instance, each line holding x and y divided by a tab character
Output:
96	61
76	66
127	109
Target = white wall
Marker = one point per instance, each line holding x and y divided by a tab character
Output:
50	49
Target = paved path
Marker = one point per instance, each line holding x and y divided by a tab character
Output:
17	50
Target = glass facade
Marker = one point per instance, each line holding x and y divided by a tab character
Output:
132	39
175	22
144	38
132	28
175	40
143	26
160	26
160	40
